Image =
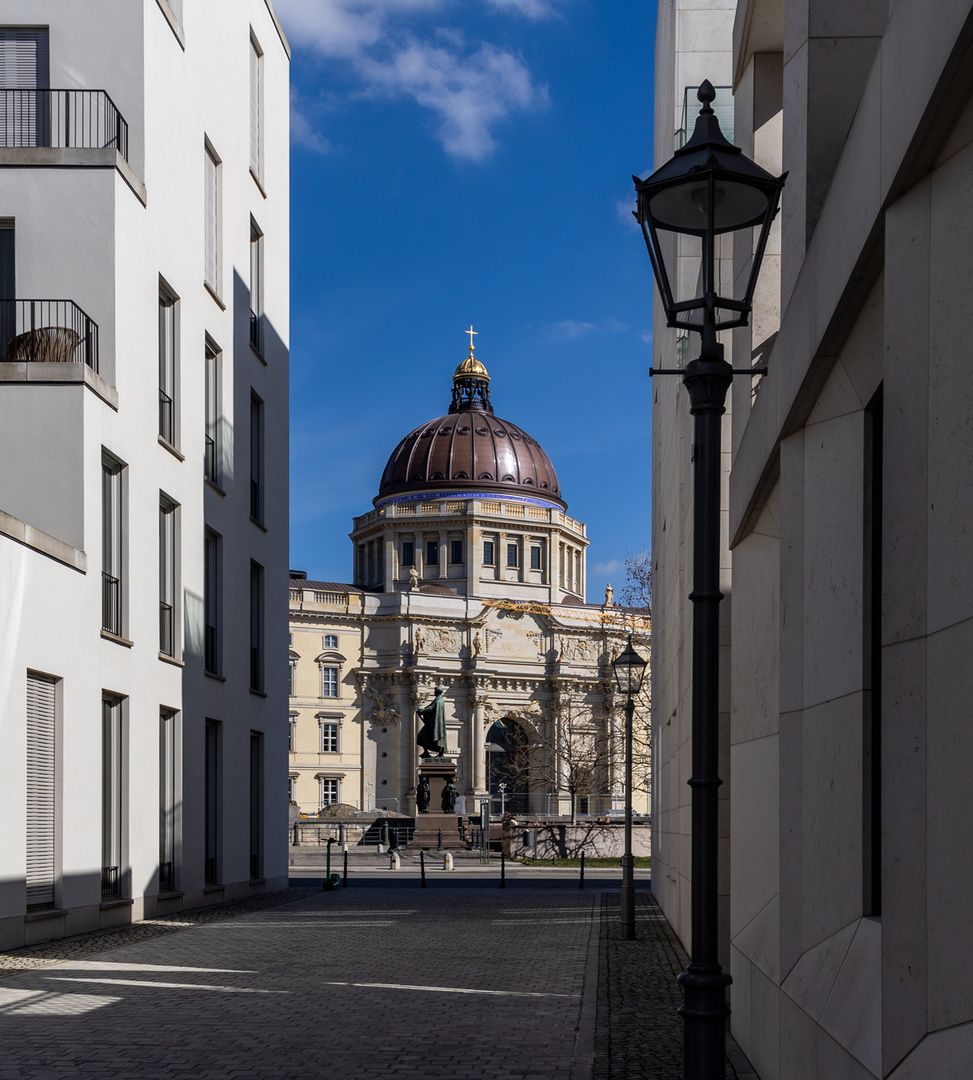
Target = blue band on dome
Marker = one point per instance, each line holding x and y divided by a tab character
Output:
430	496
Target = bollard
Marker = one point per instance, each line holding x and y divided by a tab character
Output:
297	835
581	880
381	849
422	867
553	860
394	860
503	870
345	882
447	861
439	846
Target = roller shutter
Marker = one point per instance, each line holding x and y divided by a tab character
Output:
40	788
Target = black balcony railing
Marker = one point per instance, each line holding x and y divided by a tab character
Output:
209	459
255	330
167	418
79	119
167	877
47	331
109	881
111	604
167	642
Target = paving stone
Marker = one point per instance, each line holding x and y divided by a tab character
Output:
460	980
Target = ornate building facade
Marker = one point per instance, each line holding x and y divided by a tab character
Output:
468	573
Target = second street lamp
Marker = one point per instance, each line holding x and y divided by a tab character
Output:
706	190
629	669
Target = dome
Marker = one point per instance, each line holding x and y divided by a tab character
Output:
470	450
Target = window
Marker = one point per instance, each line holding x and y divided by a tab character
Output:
329	682
432	552
112	796
455	551
213	802
112	536
256	804
292	788
329	738
256	458
256	626
292	683
212	613
292	735
535	557
408	553
167	575
512	555
41	787
25	118
168	361
168	799
212	224
256	285
211	460
331	641
488	555
8	280
328	791
256	108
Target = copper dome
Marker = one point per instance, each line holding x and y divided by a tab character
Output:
470	450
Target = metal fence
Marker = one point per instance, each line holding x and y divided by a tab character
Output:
111	604
47	331
109	881
380	831
80	119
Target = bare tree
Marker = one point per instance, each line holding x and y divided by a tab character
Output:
637	590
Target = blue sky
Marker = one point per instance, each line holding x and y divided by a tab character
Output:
458	162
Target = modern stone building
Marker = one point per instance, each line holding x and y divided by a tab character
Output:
849	473
143	458
470	573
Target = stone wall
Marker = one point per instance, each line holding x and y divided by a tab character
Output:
568	841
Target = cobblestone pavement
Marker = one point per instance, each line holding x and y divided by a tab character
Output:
459	980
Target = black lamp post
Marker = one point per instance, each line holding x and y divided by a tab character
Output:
706	190
629	669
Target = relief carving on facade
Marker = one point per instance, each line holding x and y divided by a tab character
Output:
444	641
578	650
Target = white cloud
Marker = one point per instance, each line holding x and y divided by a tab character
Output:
646	336
572	328
611	567
303	132
470	91
533	9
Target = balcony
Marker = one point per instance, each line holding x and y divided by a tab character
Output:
47	331
62	119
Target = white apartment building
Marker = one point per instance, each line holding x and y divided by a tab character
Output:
848	502
143	458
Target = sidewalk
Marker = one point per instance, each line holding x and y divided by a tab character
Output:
459	980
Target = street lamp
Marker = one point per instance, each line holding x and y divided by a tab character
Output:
503	791
706	190
629	669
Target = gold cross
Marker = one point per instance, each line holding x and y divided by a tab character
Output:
471	332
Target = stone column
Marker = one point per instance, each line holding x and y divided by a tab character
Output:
478	771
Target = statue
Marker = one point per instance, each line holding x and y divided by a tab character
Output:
422	795
449	797
432	734
609	595
477	643
418	640
413	579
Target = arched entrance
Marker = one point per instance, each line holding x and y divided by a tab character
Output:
508	762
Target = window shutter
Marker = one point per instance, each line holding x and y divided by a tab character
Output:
254	108
210	223
40	789
24	65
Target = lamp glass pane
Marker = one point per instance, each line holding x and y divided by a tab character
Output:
682	207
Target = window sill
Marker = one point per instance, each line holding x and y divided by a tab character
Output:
258	881
258	693
173	23
260	525
46	913
174	894
216	296
174	660
107	905
166	445
258	354
215	675
117	639
258	182
212	888
215	486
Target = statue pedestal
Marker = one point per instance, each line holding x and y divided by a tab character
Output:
437	771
